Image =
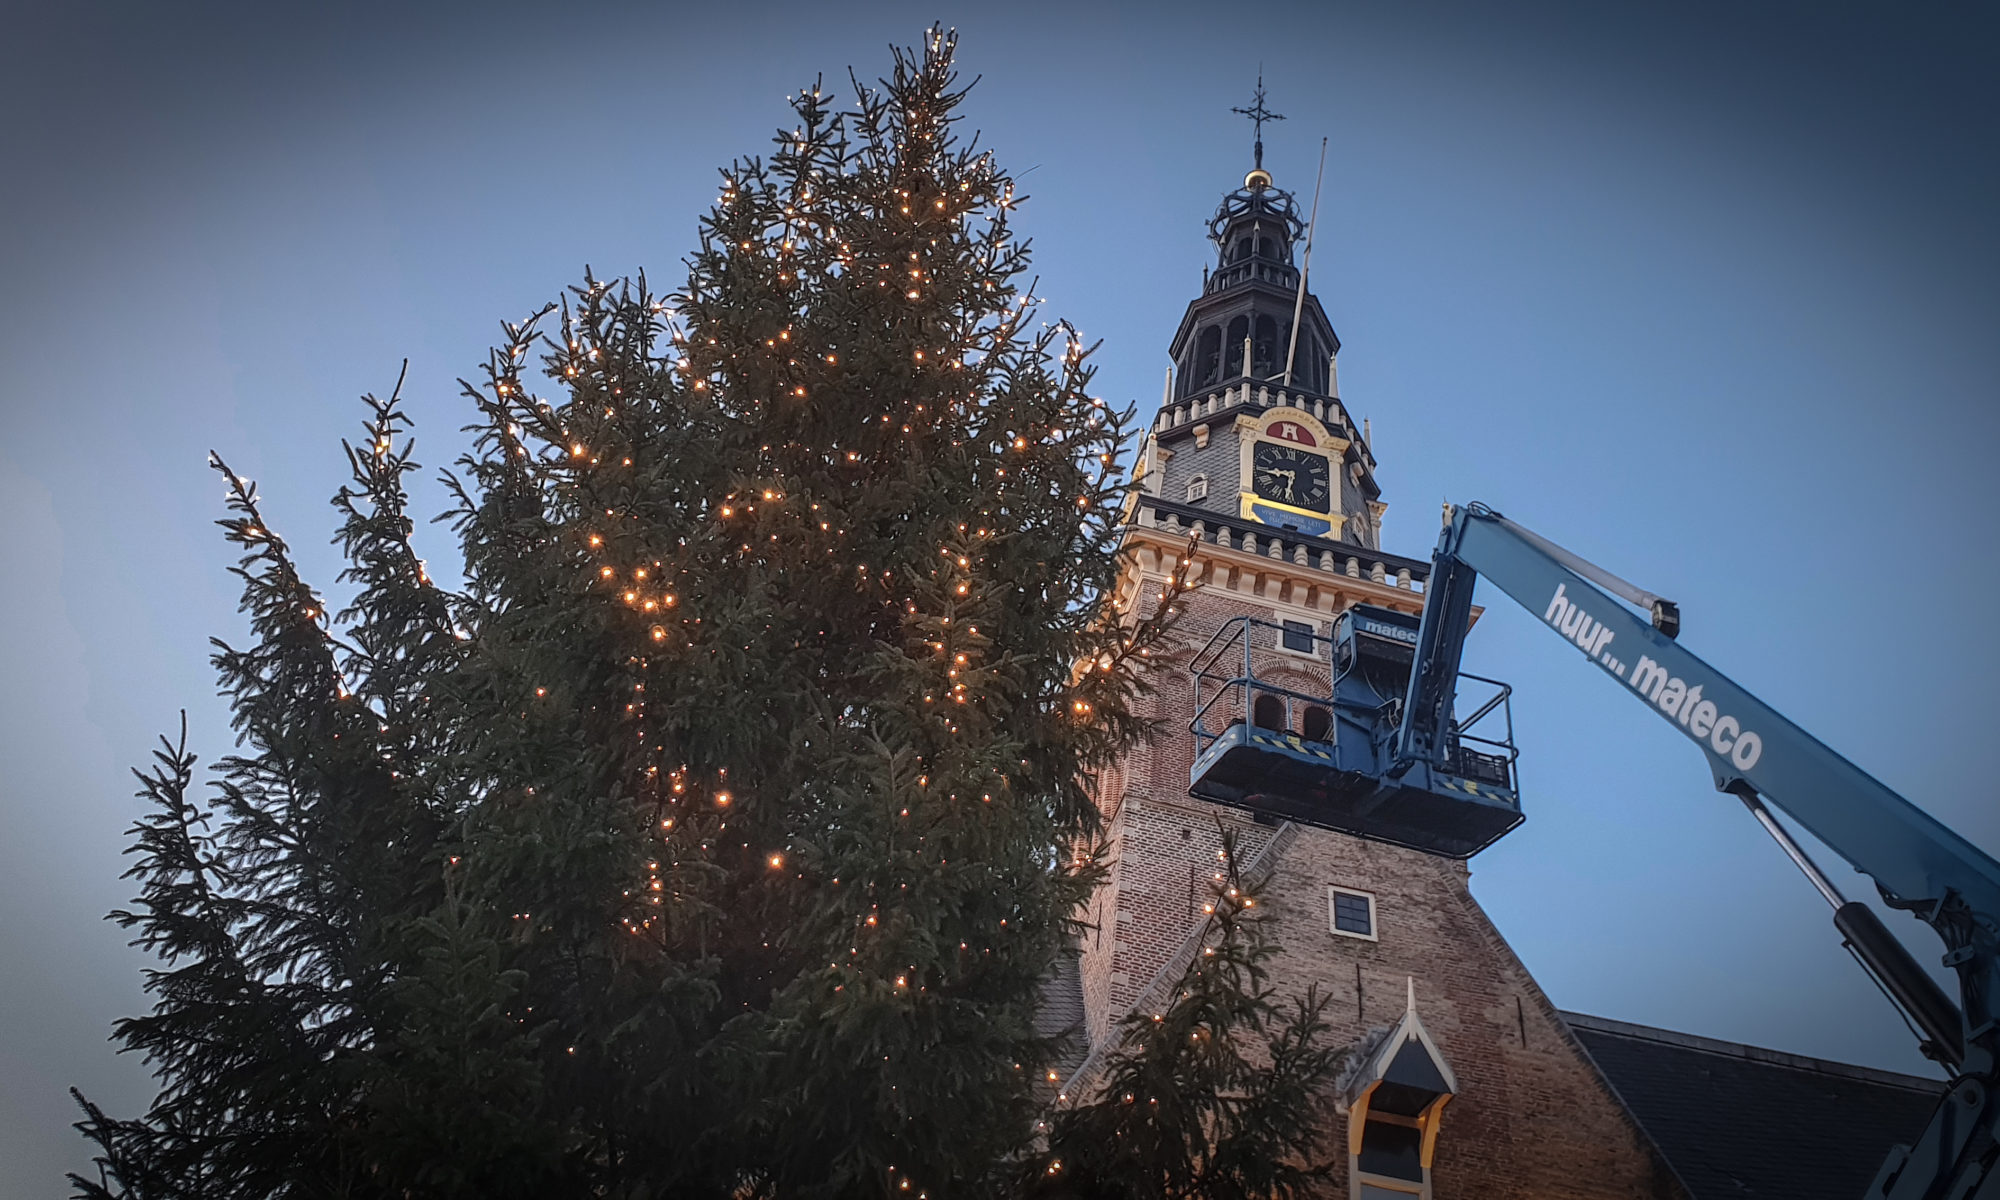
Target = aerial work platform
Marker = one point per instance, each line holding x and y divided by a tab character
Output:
1381	750
1321	753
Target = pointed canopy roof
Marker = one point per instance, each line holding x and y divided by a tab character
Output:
1405	1069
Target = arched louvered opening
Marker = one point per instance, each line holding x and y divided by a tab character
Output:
1309	366
1207	365
1265	350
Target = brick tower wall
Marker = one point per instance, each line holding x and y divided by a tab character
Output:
1533	1119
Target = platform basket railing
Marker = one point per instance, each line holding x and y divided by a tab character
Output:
1226	670
1489	756
1479	745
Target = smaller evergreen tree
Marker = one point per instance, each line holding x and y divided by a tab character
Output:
310	949
1221	1096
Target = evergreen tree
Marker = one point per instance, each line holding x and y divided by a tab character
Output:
716	837
297	909
1220	1096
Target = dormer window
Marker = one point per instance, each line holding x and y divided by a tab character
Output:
1396	1094
1197	488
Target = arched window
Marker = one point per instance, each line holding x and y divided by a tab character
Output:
1197	488
1309	370
1207	357
1232	348
1265	353
1268	712
1318	724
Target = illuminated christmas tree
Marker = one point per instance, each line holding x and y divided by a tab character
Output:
718	836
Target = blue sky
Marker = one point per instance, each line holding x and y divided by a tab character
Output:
1707	294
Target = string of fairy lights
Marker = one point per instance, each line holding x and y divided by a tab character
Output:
641	592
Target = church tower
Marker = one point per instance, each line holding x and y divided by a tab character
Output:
1464	1080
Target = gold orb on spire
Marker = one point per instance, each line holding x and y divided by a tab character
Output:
1257	180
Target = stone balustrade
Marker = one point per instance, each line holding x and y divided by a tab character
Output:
1254	396
1283	275
1265	541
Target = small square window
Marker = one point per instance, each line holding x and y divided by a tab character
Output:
1352	913
1299	637
1197	488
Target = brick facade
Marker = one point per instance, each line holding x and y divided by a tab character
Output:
1531	1117
1534	1119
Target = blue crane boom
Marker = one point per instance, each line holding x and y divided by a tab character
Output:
1756	754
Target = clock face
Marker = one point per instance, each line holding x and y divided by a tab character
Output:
1289	475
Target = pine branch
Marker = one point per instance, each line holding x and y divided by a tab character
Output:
1219	1096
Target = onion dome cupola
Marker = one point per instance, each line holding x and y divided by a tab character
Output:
1252	429
1251	292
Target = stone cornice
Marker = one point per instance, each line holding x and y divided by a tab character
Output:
1236	556
1159	512
1153	553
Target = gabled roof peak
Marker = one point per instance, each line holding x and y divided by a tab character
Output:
1403	1056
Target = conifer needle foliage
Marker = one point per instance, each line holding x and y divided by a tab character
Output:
715	837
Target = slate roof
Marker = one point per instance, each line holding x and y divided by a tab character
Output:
1742	1123
1060	1010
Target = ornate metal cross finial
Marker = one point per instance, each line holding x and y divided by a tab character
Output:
1258	114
